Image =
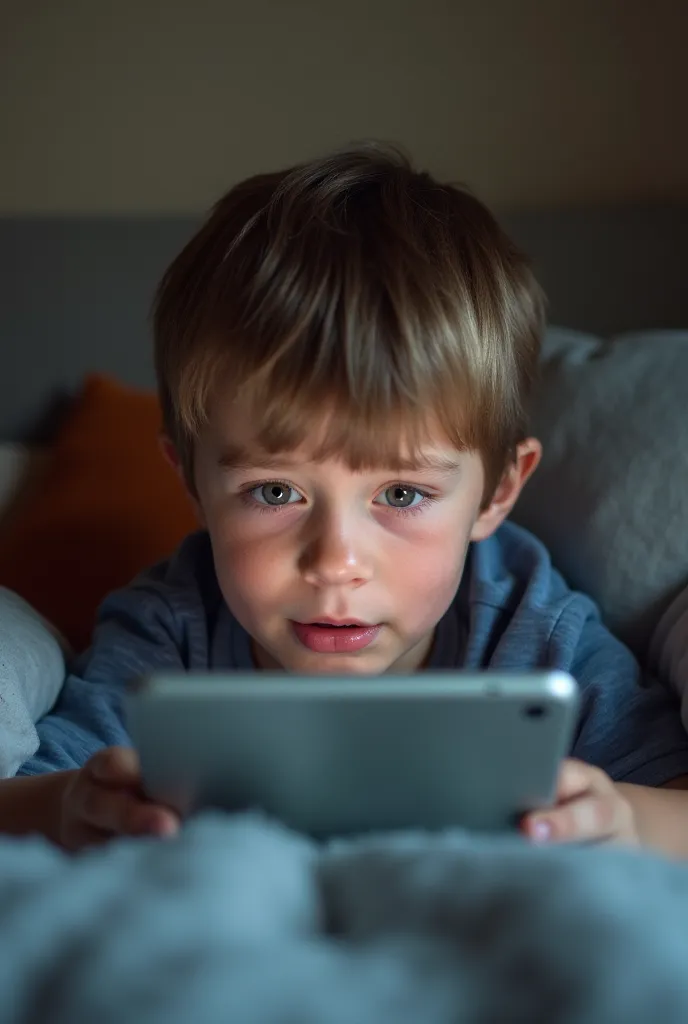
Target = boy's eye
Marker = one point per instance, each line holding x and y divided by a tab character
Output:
400	496
275	493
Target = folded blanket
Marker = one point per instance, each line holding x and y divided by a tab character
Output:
240	921
32	671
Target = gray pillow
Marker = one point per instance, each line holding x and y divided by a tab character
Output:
32	671
610	499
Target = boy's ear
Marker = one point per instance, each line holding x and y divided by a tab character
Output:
171	456
528	454
170	453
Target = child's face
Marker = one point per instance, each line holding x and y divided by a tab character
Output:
298	542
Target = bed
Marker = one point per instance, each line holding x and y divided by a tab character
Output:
238	920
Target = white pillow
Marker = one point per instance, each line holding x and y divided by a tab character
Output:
32	671
610	499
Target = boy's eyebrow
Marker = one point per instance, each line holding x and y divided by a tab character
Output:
233	457
436	462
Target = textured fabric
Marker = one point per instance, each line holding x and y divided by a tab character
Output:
610	500
669	649
511	612
238	922
32	671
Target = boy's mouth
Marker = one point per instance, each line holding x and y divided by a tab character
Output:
329	636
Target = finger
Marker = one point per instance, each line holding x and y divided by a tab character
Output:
589	817
121	812
577	778
574	780
117	766
81	836
153	820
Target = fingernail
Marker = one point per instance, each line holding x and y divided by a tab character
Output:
541	831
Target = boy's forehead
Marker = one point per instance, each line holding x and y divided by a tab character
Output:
235	435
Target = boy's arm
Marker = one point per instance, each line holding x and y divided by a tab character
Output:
136	633
86	806
630	727
33	805
590	808
629	724
661	815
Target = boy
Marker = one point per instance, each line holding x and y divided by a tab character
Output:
344	354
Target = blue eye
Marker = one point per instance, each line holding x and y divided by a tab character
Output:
275	493
401	496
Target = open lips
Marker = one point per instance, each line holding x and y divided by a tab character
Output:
332	637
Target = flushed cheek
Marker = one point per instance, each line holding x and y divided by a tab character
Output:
426	575
252	574
429	587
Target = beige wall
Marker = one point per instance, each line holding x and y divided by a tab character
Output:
158	105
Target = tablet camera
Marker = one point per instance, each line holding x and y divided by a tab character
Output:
535	711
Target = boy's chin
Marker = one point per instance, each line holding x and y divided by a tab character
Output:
336	665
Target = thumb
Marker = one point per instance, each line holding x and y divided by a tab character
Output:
116	766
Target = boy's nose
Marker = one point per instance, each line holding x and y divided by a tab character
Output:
333	557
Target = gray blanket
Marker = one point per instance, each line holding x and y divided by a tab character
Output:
240	921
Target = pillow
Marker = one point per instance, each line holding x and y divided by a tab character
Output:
105	506
669	650
32	671
610	499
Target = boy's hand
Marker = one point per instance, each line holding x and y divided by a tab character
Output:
104	799
589	808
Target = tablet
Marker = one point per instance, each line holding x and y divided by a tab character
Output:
334	756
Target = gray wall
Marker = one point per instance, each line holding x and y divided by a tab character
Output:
147	106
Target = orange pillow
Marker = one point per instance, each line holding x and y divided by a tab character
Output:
106	506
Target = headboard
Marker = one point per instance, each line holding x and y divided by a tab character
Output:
75	293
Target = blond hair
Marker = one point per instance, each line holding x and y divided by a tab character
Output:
355	287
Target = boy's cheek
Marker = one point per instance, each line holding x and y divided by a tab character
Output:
254	578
